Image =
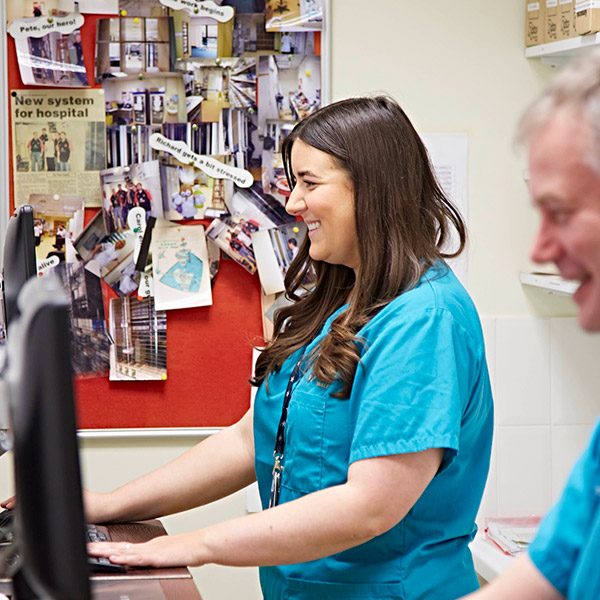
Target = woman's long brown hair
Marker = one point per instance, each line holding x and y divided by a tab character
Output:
403	222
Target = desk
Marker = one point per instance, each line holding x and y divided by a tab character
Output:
137	584
488	559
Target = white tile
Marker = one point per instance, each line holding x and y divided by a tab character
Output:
575	373
488	325
523	470
568	442
489	501
522	371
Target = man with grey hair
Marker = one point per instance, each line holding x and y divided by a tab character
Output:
562	131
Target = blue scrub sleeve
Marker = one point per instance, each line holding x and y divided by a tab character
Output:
409	391
564	533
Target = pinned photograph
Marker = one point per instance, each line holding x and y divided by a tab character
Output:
294	15
20	9
233	235
113	260
57	218
59	135
93	233
55	60
180	267
250	210
249	34
275	249
139	332
57	146
252	203
89	340
131	45
273	177
187	192
125	188
293	85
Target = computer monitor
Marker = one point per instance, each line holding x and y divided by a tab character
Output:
19	261
19	265
49	521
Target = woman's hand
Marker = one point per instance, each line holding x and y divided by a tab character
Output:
9	503
164	551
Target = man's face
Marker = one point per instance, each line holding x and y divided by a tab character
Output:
566	191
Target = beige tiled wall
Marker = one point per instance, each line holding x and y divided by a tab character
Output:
546	384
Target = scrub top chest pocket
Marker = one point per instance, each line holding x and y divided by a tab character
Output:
317	439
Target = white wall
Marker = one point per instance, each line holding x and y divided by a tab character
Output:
454	66
545	380
110	463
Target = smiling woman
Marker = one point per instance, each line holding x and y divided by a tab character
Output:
323	196
371	429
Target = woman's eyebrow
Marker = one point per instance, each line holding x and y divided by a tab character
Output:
307	173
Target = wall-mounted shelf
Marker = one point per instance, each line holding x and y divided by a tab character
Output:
556	54
551	283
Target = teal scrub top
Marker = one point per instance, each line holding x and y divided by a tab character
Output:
422	383
566	548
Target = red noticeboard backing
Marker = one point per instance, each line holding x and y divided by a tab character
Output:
209	349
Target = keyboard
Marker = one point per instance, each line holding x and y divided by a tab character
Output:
94	533
6	518
99	564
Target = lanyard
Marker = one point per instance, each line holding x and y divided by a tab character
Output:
280	440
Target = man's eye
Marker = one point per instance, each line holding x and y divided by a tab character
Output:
559	216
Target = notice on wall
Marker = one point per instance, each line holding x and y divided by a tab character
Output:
59	143
449	157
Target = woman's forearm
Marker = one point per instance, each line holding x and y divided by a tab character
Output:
213	469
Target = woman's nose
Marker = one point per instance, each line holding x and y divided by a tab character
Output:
295	204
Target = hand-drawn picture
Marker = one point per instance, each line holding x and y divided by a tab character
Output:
180	267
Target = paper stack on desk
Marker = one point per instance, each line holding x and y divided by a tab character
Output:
512	535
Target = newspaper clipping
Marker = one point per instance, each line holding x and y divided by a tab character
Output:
59	143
